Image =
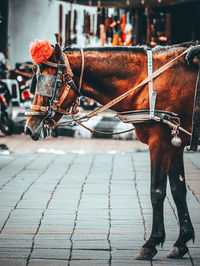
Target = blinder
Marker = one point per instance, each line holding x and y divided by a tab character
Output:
33	84
45	85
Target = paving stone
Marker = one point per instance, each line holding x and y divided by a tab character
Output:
131	263
88	237
12	262
90	255
15	243
123	255
160	259
48	253
52	229
14	252
14	237
48	243
88	262
91	244
48	262
50	237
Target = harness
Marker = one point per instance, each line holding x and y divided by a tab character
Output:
49	86
169	118
43	84
151	115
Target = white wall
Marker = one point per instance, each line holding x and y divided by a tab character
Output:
37	19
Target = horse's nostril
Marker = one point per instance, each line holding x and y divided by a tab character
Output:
28	131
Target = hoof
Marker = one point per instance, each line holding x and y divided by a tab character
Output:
146	254
177	252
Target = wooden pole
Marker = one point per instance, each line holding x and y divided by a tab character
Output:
60	24
136	28
148	26
168	28
67	28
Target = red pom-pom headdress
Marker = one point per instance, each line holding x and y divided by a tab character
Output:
40	51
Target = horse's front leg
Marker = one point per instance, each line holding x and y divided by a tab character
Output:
178	189
160	154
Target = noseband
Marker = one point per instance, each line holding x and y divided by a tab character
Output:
49	86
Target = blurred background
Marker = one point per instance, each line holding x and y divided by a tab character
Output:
83	23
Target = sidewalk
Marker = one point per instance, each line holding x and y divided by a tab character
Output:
90	209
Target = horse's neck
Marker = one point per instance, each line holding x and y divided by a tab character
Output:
107	75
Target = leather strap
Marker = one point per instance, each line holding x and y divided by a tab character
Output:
39	108
62	111
63	96
152	93
56	65
142	116
52	64
150	71
100	132
69	70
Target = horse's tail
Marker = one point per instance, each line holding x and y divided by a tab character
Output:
192	53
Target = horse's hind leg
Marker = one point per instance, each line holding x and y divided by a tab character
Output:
160	159
178	189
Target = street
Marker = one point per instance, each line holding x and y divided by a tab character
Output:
67	201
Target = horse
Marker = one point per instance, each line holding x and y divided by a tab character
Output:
108	73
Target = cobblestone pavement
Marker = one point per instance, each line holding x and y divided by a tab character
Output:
89	209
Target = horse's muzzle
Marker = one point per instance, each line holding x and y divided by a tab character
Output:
38	133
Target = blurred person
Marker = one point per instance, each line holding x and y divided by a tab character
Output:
117	39
102	34
153	41
129	33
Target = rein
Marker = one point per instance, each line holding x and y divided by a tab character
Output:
100	132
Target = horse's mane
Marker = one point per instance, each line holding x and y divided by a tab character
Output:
132	49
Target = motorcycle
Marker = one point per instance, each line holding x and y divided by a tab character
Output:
6	122
22	74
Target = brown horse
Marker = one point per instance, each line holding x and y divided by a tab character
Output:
108	73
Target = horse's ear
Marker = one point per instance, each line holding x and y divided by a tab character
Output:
58	52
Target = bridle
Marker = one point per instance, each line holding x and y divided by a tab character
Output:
49	85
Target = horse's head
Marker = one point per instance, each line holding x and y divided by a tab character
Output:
53	88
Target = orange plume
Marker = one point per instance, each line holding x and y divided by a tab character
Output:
40	51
